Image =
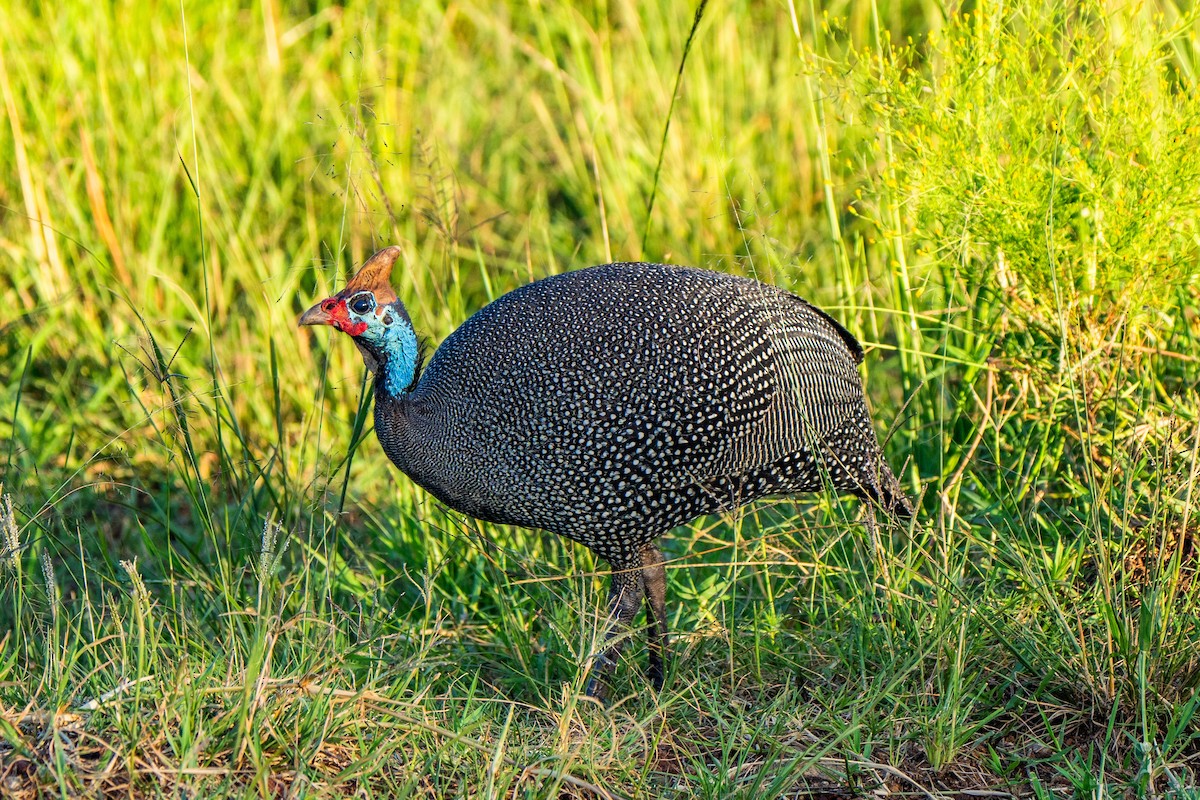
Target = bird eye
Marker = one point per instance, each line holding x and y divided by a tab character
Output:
361	304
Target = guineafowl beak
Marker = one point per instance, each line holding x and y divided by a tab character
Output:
318	314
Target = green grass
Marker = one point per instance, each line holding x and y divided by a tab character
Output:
213	583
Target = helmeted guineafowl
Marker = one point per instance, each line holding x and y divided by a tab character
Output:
613	403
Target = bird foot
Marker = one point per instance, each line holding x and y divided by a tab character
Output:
657	677
597	689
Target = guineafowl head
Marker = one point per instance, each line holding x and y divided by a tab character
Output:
371	314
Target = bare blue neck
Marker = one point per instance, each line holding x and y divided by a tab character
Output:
394	349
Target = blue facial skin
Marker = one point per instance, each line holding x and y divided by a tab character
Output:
389	337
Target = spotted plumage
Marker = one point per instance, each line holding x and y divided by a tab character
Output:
612	404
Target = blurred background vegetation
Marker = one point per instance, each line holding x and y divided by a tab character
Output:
211	588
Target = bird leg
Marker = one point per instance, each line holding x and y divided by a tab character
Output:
654	578
624	598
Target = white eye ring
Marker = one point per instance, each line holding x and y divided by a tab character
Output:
362	303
